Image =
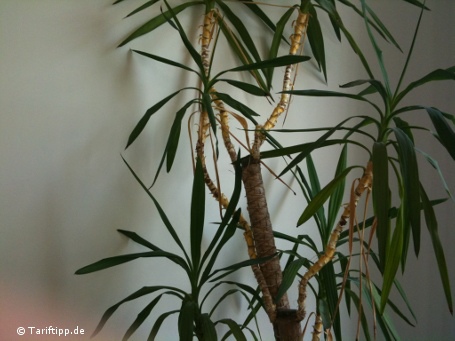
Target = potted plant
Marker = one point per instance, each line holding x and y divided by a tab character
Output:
222	106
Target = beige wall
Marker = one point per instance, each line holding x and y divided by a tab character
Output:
69	99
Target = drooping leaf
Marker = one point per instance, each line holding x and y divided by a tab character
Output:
139	293
249	88
157	325
117	260
436	75
172	142
241	29
138	239
316	40
242	108
163	216
234	328
196	56
142	7
432	225
158	21
445	132
268	63
143	121
165	61
141	318
435	165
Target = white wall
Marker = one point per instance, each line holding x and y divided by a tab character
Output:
69	99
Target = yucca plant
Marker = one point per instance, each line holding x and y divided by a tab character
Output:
397	209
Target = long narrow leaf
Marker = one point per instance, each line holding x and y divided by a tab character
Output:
138	239
163	216
432	225
445	132
322	196
186	320
276	41
165	61
158	21
381	198
393	259
197	214
410	175
141	317
139	293
234	328
117	260
159	321
143	121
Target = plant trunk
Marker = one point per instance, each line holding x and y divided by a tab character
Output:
286	326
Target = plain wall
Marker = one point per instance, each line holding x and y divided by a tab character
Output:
68	101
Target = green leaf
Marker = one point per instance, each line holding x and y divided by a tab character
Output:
316	40
276	41
144	6
316	188
289	276
172	142
241	52
393	258
163	216
157	21
165	61
190	48
242	108
241	29
435	165
207	106
410	176
432	225
228	234
234	267
157	325
143	121
207	328
336	198
234	328
377	50
381	198
445	132
197	214
249	88
136	238
117	260
363	320
141	318
436	75
186	320
321	141
322	196
139	293
374	83
271	63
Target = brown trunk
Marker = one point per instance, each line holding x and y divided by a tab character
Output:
286	326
